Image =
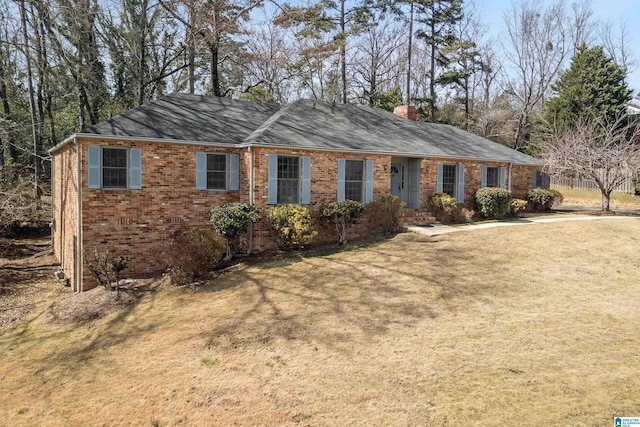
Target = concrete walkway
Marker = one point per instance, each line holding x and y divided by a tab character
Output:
437	229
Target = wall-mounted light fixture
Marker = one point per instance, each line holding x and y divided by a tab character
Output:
426	168
385	167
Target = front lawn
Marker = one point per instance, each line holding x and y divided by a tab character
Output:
534	325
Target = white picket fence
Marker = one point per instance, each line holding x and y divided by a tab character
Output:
579	183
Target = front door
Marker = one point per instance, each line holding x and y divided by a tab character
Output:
397	172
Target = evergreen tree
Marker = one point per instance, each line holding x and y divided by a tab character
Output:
593	87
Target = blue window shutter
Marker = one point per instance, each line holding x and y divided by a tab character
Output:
439	178
135	168
533	178
460	184
201	171
234	172
414	183
368	184
483	182
272	191
502	177
94	164
341	176
547	180
306	180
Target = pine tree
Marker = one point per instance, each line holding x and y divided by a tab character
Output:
592	87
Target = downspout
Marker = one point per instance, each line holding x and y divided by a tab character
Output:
79	253
510	177
250	197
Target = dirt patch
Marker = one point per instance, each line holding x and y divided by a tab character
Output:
99	302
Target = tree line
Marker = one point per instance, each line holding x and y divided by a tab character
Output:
68	64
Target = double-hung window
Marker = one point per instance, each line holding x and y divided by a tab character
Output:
355	180
114	168
289	179
217	171
539	179
450	180
493	176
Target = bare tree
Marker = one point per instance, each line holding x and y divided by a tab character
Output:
616	44
606	153
536	47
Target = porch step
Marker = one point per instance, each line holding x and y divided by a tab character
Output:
417	217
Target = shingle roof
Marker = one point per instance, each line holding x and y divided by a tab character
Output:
303	124
188	118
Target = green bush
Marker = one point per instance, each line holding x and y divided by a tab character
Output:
493	202
191	254
232	220
542	200
446	210
292	226
517	206
341	214
385	213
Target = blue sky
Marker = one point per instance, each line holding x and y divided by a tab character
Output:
614	11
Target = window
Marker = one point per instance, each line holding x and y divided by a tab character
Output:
539	179
216	172
288	180
493	177
354	180
114	167
449	179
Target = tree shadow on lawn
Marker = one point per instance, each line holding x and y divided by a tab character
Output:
338	298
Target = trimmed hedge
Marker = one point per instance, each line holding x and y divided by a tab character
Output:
541	199
342	214
493	202
292	226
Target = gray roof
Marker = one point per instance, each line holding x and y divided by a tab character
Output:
303	124
188	118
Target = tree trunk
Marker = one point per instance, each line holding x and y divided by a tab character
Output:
32	106
191	50
343	52
432	70
606	198
409	53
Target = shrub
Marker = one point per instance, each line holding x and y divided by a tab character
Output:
446	210
385	213
191	254
232	220
105	269
342	214
292	226
542	200
517	206
493	202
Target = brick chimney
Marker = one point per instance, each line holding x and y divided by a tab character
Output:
406	111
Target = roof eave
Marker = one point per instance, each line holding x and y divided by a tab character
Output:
94	136
392	153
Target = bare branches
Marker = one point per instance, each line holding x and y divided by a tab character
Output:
606	153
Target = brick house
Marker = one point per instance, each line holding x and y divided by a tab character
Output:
133	180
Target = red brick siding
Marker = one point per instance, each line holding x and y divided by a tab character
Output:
65	201
135	222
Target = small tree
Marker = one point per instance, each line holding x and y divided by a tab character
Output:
232	220
603	152
105	270
342	214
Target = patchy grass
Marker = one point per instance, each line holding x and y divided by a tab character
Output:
517	325
594	198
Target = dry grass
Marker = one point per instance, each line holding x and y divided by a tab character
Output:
528	325
594	198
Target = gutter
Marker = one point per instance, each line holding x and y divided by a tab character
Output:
79	253
251	160
510	177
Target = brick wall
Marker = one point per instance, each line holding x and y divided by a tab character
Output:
135	222
65	201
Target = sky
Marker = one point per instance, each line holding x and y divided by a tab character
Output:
614	11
